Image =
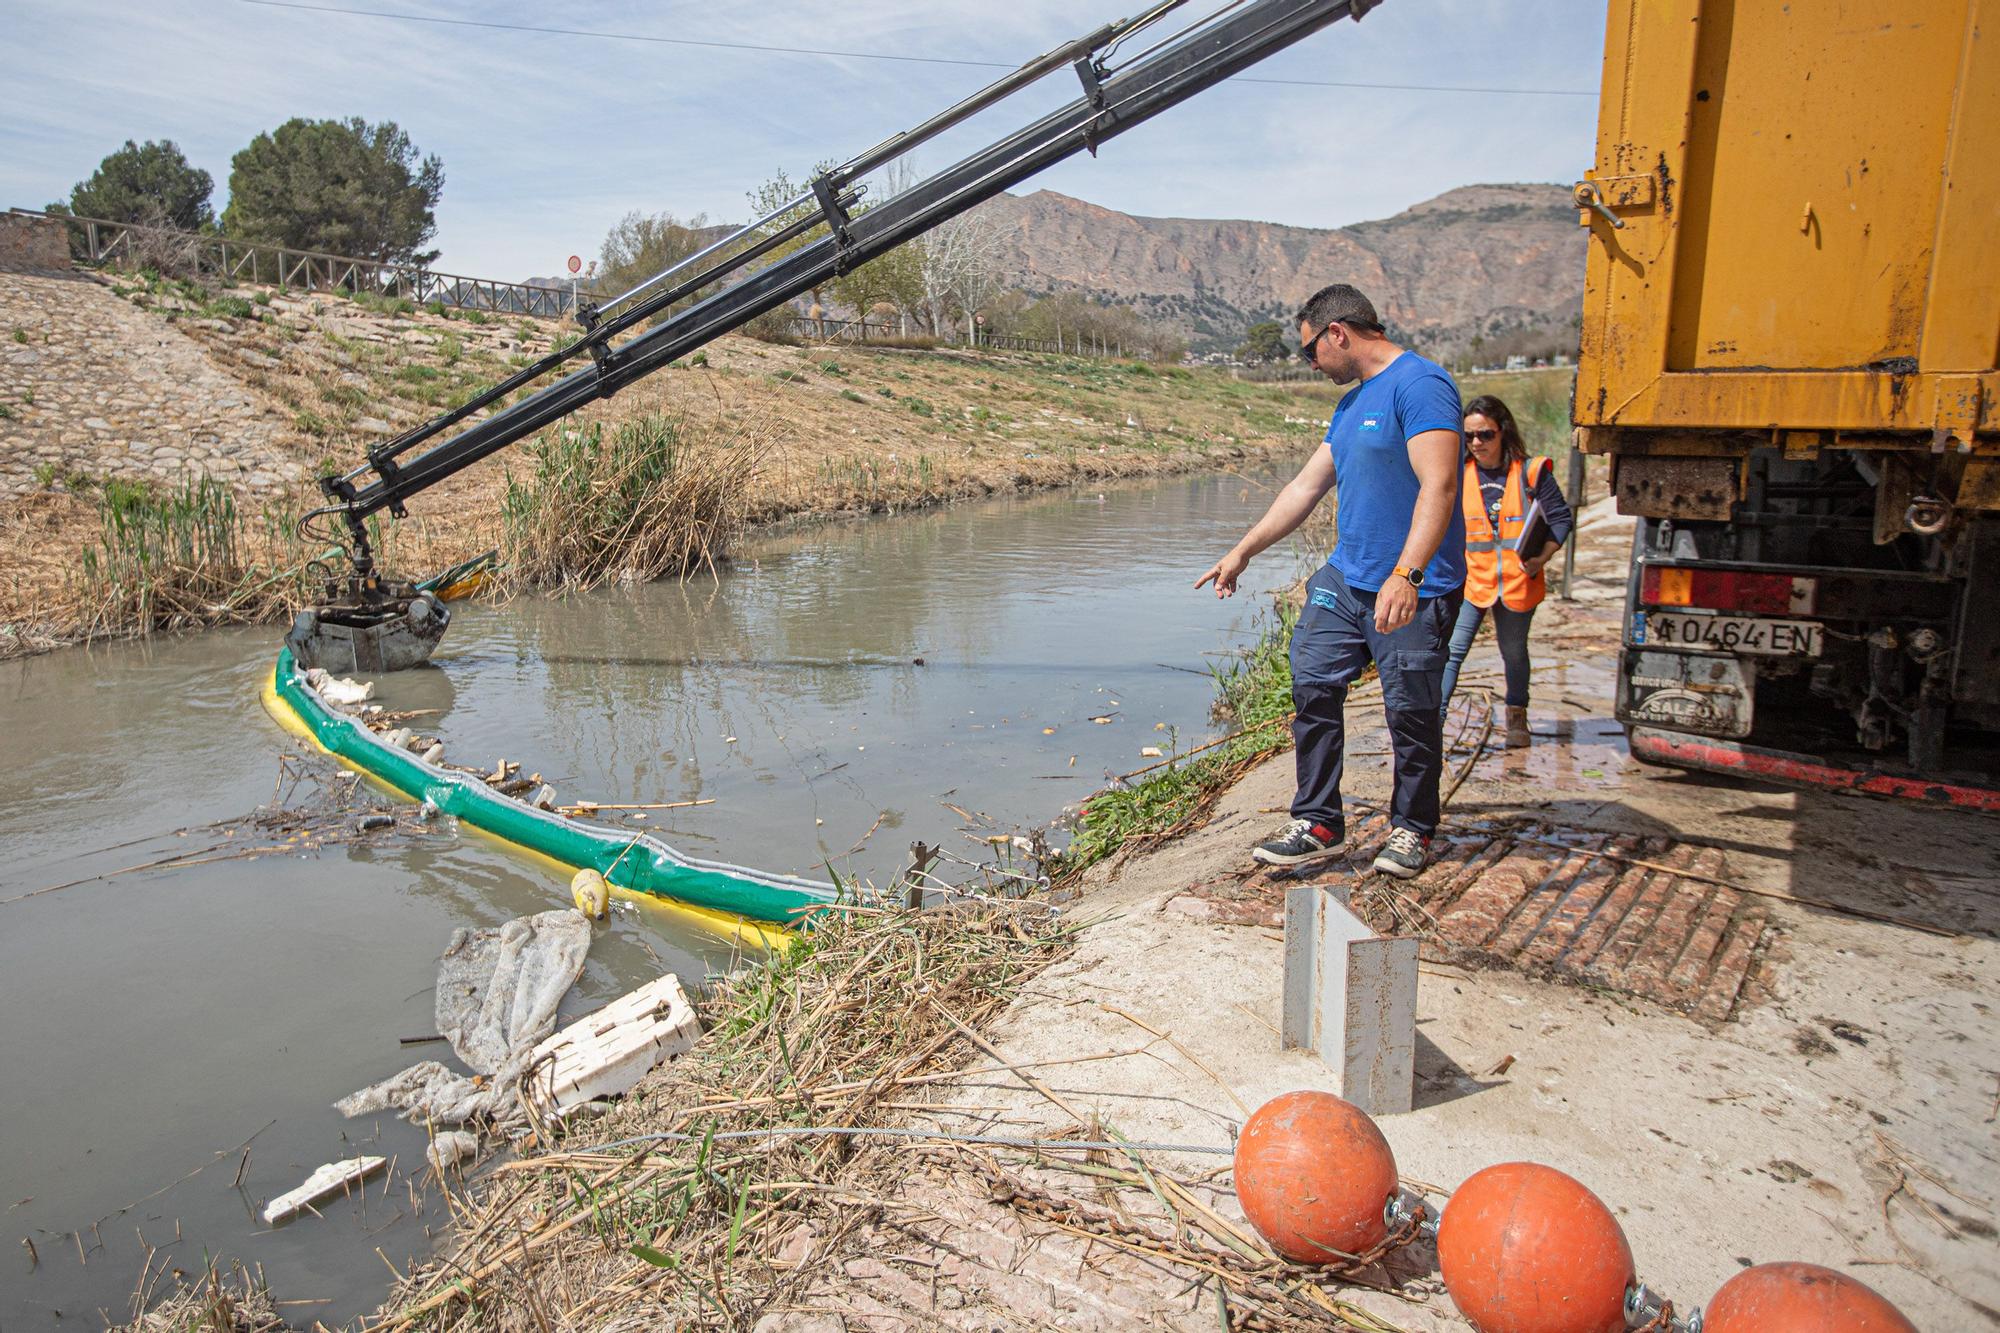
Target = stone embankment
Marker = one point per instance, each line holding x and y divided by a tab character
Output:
92	385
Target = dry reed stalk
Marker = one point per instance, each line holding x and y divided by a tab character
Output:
214	1302
649	497
685	1233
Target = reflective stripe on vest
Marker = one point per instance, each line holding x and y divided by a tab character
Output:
1493	569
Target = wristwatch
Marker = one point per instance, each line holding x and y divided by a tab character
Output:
1412	573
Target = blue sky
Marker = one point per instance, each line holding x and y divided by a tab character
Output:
548	139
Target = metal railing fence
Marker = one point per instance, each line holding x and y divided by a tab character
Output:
103	241
864	331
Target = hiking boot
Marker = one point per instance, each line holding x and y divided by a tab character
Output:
1517	728
1405	854
1296	843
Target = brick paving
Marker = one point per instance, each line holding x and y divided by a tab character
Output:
1624	913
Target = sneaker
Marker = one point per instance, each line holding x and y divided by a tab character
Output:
1296	843
1405	854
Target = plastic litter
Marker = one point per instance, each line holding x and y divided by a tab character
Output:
339	690
322	1182
608	1052
497	994
450	1147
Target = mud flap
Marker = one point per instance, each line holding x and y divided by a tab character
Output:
1715	696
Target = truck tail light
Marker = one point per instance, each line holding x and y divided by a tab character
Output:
1727	590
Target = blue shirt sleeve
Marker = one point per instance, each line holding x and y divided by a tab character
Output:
1428	402
1561	520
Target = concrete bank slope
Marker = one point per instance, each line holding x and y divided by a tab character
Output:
1841	1108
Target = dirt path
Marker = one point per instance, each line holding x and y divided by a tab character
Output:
1839	1109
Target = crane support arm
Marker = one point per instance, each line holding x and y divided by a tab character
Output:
1113	100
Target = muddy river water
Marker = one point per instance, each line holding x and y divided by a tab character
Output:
174	1036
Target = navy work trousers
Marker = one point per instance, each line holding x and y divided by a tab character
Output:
1335	639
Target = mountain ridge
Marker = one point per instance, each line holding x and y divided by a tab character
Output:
1501	263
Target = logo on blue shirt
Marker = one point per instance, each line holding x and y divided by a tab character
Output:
1371	421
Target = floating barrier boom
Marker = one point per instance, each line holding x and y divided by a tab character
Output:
640	862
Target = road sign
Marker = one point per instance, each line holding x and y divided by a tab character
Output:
575	264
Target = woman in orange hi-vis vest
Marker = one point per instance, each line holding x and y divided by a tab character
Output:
1507	498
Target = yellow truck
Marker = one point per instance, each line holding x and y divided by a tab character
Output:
1790	326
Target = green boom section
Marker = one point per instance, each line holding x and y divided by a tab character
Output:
642	863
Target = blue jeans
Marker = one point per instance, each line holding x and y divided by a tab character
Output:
1511	629
1335	638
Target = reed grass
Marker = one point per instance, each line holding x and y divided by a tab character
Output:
1539	400
184	557
688	1234
212	1301
653	496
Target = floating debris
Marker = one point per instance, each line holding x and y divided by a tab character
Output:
326	1180
607	1053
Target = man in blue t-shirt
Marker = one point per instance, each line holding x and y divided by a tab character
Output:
1390	592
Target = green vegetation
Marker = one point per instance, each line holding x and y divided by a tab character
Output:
340	186
1255	694
383	304
229	307
852	396
20	335
1065	317
919	406
1539	400
653	496
640	245
151	184
1264	341
179	558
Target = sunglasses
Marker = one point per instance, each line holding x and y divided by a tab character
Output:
1306	348
1483	436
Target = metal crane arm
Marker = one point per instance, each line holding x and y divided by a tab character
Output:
1112	102
375	624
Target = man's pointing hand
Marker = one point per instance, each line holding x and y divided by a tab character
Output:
1223	574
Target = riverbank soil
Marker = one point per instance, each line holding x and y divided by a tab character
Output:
1742	1078
111	376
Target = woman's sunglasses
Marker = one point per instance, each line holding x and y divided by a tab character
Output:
1483	436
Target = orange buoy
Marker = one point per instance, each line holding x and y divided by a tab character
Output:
1800	1298
1525	1249
1314	1174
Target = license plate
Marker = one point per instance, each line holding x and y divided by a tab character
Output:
1737	634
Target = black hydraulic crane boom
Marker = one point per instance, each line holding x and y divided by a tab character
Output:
1113	100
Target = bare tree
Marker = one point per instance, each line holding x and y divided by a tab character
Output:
960	262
